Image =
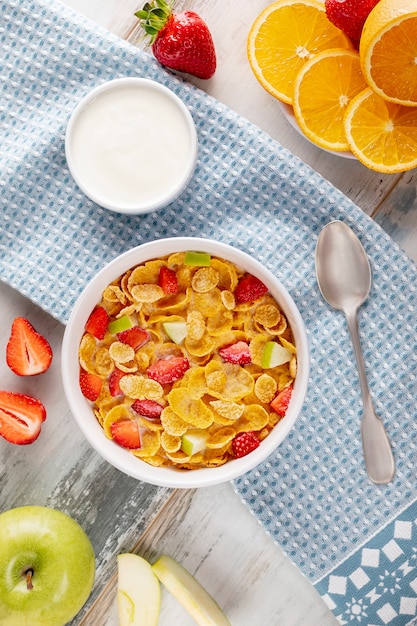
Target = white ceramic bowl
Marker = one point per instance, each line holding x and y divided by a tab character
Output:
131	145
81	408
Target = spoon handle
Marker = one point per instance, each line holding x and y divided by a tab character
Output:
379	459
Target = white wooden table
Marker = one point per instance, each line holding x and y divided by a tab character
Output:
209	530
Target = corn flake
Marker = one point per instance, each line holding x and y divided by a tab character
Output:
265	388
194	412
205	279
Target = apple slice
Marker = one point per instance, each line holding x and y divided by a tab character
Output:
274	354
194	441
197	258
120	324
189	593
177	331
138	592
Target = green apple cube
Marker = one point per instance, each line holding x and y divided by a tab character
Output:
121	324
194	441
197	258
47	567
189	593
138	592
274	354
177	331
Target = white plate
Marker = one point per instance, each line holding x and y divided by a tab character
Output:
288	113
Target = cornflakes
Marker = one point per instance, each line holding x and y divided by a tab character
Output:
186	381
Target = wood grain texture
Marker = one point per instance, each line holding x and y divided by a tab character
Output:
208	530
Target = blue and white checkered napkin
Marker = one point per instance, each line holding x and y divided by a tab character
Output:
355	541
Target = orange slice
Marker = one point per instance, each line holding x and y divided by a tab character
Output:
284	36
388	51
382	134
323	88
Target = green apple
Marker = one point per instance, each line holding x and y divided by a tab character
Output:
274	354
119	325
197	258
177	331
138	592
47	567
188	591
193	441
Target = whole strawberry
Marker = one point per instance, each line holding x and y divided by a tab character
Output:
180	41
349	15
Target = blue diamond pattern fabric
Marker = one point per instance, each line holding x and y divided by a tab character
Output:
356	542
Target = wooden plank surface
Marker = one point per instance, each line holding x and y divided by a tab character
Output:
209	530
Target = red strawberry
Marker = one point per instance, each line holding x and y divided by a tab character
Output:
166	371
97	322
281	401
168	280
349	15
126	434
180	41
90	385
134	337
21	417
27	352
148	408
244	443
114	381
237	353
249	288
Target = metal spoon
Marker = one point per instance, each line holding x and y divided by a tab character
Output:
344	277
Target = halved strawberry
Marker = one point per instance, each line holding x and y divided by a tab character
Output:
168	280
281	401
126	434
114	381
168	370
90	385
21	417
135	337
249	288
98	322
148	408
27	352
237	353
244	443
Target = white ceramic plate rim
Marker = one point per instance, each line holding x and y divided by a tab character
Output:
81	409
160	201
288	113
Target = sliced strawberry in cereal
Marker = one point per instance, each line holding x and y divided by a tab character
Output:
114	380
98	322
27	352
90	385
237	353
281	401
21	417
148	408
244	443
168	280
126	434
168	370
134	337
249	288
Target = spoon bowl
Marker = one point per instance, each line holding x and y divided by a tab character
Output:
344	278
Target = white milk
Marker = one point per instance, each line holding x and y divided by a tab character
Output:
132	146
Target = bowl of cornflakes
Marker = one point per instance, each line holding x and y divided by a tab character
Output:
185	362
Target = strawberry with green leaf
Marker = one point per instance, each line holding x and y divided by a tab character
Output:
181	41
